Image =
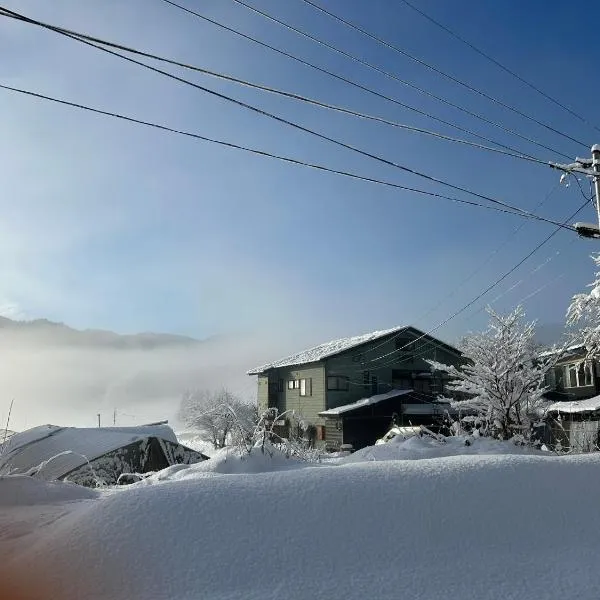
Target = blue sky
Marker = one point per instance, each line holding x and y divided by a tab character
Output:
116	226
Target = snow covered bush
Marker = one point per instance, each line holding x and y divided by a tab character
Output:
265	438
584	312
220	417
503	378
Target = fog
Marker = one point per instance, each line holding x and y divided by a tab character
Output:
60	376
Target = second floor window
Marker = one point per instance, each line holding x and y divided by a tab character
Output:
578	375
338	383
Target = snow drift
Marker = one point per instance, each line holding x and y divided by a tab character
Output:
481	526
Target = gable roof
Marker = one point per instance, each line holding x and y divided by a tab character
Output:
325	350
67	448
335	347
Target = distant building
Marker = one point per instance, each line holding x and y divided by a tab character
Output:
350	376
95	455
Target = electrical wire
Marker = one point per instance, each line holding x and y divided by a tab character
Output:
499	64
511	150
487	260
432	68
275	91
264	153
471	302
338	77
392	76
299	127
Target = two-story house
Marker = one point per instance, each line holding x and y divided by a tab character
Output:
324	388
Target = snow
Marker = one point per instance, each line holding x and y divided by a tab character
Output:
21	490
416	448
364	402
62	449
482	523
325	350
576	406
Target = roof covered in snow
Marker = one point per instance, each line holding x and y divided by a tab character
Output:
67	448
576	406
325	350
416	408
334	347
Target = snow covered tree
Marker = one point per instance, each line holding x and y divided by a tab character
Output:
584	314
220	417
503	378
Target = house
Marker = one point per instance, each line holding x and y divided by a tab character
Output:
572	421
574	377
305	386
89	456
574	426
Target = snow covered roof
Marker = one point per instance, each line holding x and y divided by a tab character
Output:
70	447
363	402
570	349
576	406
326	350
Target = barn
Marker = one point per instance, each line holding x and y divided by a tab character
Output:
93	456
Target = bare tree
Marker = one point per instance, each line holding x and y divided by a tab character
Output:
503	380
220	417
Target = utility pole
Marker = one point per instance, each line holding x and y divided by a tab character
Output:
98	419
596	177
589	168
114	417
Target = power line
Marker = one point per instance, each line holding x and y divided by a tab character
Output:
373	67
299	127
473	301
266	154
511	150
489	257
499	64
434	69
276	91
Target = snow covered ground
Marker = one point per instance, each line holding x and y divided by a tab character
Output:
484	521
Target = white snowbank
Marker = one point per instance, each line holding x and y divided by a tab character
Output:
499	526
227	462
20	490
417	447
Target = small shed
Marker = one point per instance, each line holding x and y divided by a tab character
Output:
575	425
363	422
92	456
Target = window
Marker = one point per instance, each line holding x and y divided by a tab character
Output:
338	383
305	387
280	387
293	384
578	375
